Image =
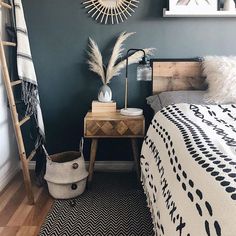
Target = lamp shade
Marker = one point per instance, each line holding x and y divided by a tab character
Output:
144	72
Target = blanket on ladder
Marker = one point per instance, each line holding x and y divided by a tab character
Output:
26	72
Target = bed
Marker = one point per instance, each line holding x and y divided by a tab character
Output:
188	159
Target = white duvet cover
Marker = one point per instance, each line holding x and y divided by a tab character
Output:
188	165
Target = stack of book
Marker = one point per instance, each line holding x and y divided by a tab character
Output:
98	107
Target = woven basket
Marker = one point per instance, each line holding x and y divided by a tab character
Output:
66	174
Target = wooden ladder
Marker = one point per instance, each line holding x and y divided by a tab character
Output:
16	123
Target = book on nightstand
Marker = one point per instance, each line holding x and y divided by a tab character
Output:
99	107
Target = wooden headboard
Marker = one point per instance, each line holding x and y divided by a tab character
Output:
177	74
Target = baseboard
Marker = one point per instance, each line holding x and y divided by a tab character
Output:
112	166
7	177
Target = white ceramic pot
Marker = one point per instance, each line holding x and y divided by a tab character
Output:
229	5
105	94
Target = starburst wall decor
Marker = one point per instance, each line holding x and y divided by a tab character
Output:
110	11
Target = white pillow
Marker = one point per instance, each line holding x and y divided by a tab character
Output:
221	78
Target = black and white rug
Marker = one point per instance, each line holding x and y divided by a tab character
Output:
114	205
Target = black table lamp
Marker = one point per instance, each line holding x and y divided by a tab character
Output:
144	74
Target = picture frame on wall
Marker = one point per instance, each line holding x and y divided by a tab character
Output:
196	6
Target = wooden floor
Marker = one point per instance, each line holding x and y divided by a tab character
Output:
16	216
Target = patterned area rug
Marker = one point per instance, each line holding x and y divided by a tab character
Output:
114	205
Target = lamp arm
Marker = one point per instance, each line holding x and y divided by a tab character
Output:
126	72
127	57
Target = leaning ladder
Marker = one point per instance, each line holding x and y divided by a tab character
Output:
16	123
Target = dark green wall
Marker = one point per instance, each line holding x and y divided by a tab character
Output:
59	31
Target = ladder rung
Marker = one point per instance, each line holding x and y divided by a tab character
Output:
3	4
31	156
25	119
5	43
13	83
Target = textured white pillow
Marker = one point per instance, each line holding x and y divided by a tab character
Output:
221	78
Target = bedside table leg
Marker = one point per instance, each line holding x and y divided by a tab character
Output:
136	156
93	151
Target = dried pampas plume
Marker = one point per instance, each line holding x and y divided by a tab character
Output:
114	68
116	54
95	60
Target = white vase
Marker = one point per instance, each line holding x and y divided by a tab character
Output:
104	94
229	5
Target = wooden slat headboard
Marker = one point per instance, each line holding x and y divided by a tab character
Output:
177	74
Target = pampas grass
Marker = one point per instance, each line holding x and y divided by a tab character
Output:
116	54
114	67
95	60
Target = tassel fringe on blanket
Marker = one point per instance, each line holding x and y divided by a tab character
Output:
30	97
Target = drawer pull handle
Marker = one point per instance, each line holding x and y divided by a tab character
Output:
75	166
74	186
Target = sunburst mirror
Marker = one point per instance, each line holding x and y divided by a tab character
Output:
110	11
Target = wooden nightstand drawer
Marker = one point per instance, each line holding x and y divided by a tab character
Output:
113	125
114	128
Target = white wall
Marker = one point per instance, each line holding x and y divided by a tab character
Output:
9	161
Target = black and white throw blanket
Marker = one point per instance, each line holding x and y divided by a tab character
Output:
188	164
26	71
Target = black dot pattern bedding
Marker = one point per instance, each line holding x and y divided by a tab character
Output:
188	164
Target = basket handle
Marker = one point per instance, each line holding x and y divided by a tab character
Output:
46	153
81	145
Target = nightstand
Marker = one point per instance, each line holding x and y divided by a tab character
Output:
113	125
